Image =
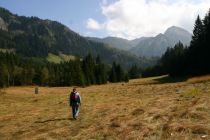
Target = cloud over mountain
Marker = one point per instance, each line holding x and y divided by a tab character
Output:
93	24
135	18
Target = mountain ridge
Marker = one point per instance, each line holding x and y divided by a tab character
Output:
150	46
156	46
115	42
35	37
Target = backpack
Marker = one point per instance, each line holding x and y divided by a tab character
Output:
74	96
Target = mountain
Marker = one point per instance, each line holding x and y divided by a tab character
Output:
156	46
174	34
136	41
149	46
37	38
119	43
115	42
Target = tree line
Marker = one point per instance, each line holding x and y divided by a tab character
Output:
187	60
16	71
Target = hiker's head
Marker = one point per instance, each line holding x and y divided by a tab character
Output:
74	90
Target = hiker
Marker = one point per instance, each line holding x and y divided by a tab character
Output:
75	102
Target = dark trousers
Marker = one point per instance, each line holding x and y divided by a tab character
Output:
75	110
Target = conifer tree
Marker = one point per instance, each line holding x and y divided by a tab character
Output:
120	73
4	76
89	69
100	72
197	32
134	72
112	74
206	42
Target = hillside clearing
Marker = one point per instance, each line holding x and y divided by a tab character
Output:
59	58
7	50
147	109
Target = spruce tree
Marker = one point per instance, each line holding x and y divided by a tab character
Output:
100	72
89	69
134	72
4	76
120	73
78	75
112	73
197	32
2	80
206	42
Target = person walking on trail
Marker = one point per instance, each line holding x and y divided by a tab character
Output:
75	102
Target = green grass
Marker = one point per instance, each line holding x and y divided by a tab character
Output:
59	58
53	58
65	57
7	50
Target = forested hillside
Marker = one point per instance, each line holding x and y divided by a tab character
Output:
16	71
34	37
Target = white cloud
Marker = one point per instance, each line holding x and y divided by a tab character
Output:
93	24
135	18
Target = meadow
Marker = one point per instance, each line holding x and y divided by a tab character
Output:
157	108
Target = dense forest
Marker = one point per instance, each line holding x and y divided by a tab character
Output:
187	60
16	70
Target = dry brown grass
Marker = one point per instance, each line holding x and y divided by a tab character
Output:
199	79
141	109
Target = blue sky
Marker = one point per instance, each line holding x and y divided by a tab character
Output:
72	13
122	18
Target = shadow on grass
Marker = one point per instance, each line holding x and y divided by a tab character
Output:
52	120
168	79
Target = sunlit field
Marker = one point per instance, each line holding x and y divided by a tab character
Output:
155	108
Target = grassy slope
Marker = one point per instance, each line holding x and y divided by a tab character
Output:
149	109
7	50
59	58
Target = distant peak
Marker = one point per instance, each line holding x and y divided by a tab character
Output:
114	38
159	35
174	28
